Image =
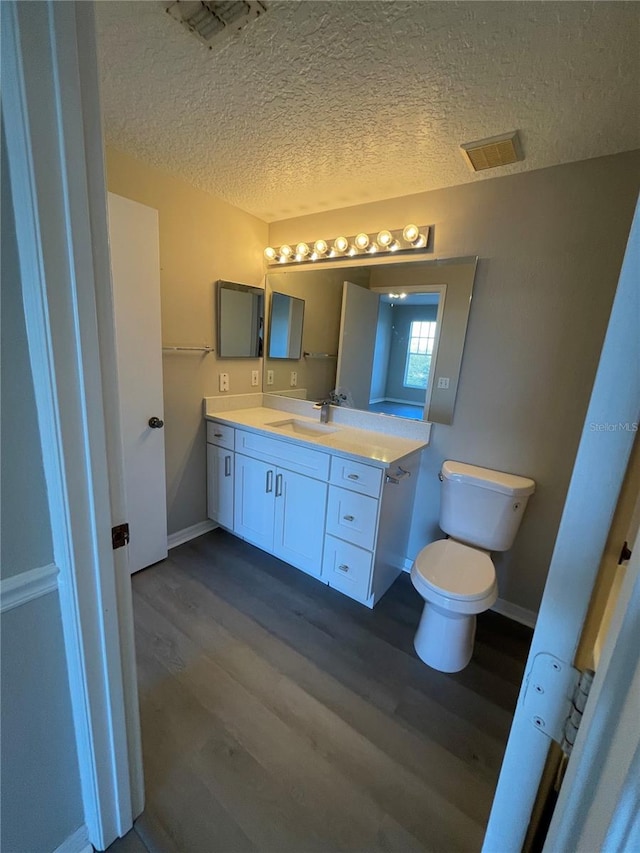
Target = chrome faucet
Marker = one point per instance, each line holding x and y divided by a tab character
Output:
324	410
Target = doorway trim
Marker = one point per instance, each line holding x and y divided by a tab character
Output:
54	145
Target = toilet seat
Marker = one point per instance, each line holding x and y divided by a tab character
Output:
454	571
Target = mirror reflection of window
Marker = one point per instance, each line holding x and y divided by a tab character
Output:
422	337
285	326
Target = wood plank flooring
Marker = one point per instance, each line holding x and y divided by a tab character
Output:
278	715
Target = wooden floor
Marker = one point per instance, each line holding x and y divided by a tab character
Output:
278	715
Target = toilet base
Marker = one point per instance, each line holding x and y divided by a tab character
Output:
444	640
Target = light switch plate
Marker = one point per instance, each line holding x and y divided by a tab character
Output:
255	378
269	377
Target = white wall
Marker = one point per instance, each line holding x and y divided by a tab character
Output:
550	244
40	788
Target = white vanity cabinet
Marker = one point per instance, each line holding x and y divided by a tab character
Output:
220	474
280	499
338	519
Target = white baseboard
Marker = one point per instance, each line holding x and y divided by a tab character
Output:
76	843
515	612
189	533
26	586
505	608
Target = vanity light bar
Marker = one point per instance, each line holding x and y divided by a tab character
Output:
409	238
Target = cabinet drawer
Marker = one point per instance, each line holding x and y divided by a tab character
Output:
220	434
312	463
347	568
352	517
356	476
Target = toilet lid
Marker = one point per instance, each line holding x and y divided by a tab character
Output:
456	570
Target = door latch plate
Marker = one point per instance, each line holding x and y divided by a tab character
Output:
549	693
120	536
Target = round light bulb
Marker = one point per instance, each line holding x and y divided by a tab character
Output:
302	249
341	244
270	253
362	241
285	251
384	238
421	242
320	246
411	233
373	248
394	246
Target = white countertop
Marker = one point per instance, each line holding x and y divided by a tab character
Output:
361	444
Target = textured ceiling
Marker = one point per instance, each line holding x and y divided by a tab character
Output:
318	105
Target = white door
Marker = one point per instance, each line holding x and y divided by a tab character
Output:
220	485
135	270
299	521
601	462
358	324
254	501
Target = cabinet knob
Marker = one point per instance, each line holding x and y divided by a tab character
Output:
348	517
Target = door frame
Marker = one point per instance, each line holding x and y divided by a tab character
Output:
51	117
591	501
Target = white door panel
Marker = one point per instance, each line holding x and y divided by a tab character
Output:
358	325
254	497
299	521
135	269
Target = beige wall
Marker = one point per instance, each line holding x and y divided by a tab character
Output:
550	244
202	239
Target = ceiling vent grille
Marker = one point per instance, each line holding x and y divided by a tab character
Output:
492	152
212	21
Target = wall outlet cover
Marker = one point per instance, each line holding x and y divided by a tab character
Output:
223	381
294	378
443	382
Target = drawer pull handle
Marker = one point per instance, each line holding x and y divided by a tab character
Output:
269	484
227	466
217	435
354	476
343	568
278	485
349	517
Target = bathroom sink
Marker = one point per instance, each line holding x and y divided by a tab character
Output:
295	426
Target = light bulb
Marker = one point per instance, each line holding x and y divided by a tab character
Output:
302	249
285	251
411	233
362	241
394	246
352	251
341	244
314	256
270	253
403	296
282	259
384	238
421	242
320	246
373	248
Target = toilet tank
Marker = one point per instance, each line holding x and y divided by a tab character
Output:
482	507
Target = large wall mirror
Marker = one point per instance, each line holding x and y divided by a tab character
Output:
240	320
388	337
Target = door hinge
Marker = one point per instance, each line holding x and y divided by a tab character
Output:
625	554
555	697
120	535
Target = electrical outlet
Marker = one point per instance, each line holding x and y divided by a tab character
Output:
255	378
269	377
294	378
223	381
443	382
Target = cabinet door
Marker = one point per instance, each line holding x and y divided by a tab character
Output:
299	521
220	485
254	501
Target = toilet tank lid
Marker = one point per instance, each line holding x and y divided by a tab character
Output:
497	481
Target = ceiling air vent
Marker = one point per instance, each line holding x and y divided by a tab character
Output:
495	151
212	21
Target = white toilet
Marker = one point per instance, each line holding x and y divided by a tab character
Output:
481	510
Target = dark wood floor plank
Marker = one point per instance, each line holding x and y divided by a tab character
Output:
278	715
358	757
